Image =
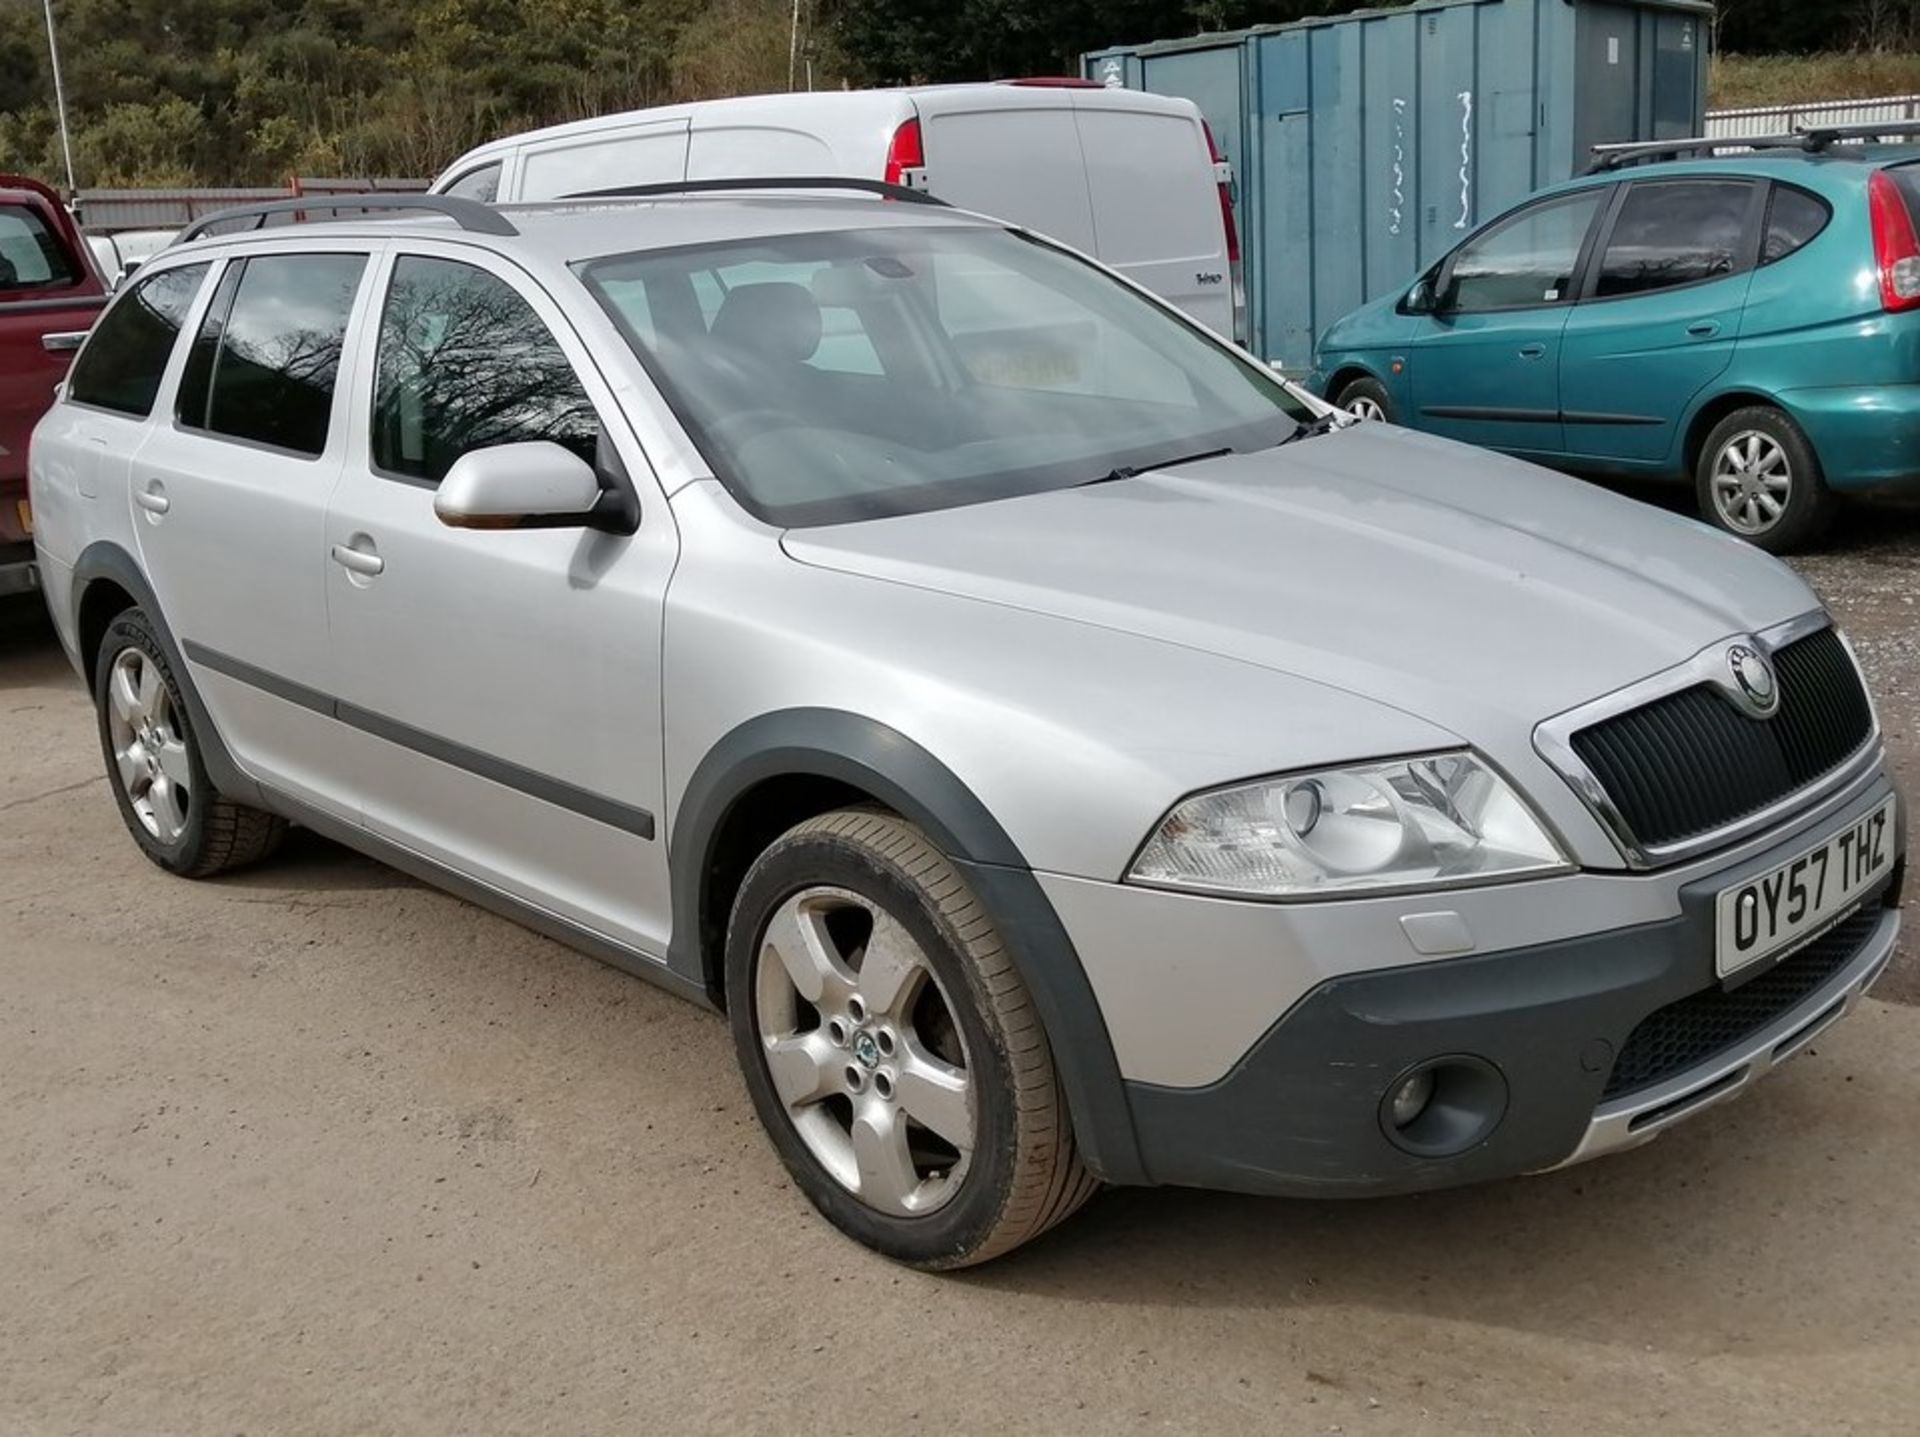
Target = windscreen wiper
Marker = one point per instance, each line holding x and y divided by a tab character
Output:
1325	424
1130	471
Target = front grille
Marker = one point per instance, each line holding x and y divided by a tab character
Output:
1692	762
1698	1028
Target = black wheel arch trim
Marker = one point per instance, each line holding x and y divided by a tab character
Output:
865	754
105	561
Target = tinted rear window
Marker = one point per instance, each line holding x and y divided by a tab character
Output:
1794	219
31	255
127	354
271	350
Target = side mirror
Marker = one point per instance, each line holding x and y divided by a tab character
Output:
535	484
1424	297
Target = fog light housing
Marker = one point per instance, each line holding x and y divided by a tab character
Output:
1444	1106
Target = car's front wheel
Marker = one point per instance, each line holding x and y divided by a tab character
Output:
1759	478
155	765
891	1049
1366	399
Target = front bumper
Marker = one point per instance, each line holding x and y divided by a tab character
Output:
1545	1026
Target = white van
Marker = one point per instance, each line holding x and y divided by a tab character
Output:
1131	178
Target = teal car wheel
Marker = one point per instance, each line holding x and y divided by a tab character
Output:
1759	478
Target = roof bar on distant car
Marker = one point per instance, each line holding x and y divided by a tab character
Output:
748	182
470	215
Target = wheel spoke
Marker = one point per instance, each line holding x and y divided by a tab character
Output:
887	1176
1778	484
169	806
799	939
151	692
804	1068
172	756
1774	461
123	693
889	968
1770	506
935	1095
131	761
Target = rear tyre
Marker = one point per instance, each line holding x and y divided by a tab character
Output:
892	1051
1759	478
155	767
1366	399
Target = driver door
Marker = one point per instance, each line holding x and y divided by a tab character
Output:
1486	361
502	686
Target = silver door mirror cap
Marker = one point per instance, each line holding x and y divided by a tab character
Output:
510	484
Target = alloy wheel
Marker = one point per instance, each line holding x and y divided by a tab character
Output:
1366	407
1752	482
864	1051
149	752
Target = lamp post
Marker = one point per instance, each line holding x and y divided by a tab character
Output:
60	100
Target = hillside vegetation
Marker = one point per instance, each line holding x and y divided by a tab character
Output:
1742	80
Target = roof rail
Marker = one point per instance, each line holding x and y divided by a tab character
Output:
1812	140
468	214
777	182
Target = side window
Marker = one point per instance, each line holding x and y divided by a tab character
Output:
1675	232
1794	219
31	255
127	353
465	364
1525	261
267	356
482	184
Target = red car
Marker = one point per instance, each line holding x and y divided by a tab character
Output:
49	297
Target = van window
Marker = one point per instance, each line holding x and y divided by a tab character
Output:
1675	232
1794	219
272	352
31	255
126	355
481	184
1524	261
464	364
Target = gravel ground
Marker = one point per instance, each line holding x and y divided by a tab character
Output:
317	1149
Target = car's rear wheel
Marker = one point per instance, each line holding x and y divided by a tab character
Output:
892	1051
154	763
1759	478
1366	399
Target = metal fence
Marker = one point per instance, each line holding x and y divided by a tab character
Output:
1783	119
109	211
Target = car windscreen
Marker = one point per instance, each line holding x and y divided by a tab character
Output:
854	374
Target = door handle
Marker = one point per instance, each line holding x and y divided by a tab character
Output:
1533	351
153	499
357	561
63	342
1704	329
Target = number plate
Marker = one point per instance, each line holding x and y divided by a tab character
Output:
1764	916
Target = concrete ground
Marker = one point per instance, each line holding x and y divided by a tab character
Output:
316	1149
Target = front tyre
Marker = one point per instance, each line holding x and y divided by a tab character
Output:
155	767
891	1050
1366	399
1759	478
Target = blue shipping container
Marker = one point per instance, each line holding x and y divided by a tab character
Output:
1365	146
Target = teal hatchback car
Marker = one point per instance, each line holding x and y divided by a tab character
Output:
1750	322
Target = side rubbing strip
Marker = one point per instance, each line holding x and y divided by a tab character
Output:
555	791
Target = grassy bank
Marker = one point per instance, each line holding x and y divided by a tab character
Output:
1743	80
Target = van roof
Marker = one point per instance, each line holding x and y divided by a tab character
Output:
876	106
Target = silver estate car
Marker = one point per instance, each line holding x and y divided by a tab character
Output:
1065	753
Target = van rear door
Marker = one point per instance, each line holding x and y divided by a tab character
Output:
1011	153
1156	200
651	153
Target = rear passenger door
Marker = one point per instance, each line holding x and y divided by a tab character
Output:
1660	315
229	502
500	687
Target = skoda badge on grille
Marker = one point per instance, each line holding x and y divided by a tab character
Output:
1752	680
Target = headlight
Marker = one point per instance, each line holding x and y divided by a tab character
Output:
1441	819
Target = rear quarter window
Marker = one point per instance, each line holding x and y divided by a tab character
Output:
1794	220
31	254
126	356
